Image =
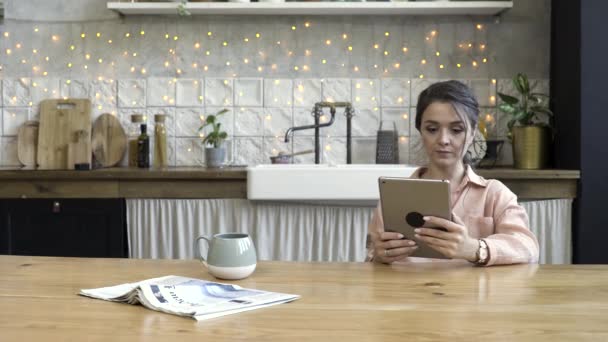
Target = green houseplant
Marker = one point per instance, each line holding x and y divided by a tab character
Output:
215	152
529	133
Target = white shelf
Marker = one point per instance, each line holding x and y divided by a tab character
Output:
316	8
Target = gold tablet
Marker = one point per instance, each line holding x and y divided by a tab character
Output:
405	201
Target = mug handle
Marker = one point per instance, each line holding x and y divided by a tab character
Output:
197	250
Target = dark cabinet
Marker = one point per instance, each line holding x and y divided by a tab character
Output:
63	227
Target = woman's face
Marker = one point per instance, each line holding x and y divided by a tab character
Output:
444	134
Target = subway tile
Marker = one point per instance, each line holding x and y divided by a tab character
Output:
219	91
485	92
276	121
131	93
395	92
278	92
103	94
365	93
249	121
307	92
333	150
16	92
302	116
189	93
188	121
248	92
189	152
160	91
303	143
75	89
365	122
336	89
249	150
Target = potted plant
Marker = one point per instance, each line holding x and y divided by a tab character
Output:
215	152
530	135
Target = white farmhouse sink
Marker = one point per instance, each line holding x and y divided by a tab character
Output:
348	184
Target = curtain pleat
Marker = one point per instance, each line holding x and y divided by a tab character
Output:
166	228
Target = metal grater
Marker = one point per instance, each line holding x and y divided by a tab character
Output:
387	147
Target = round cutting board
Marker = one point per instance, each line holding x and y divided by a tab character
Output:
27	143
108	140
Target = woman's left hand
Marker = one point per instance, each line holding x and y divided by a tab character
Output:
454	243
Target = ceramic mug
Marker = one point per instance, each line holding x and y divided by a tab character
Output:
229	256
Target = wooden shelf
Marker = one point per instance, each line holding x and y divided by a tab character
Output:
316	8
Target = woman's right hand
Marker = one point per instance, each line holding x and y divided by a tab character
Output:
390	247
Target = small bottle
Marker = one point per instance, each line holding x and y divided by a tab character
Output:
133	134
143	148
160	141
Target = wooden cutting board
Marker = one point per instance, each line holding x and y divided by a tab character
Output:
77	150
27	143
60	122
109	141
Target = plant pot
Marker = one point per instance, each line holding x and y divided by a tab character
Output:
215	157
531	147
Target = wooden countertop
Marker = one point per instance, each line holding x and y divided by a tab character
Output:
345	301
235	173
128	173
229	182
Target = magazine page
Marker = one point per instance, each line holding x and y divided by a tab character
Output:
204	299
200	299
118	293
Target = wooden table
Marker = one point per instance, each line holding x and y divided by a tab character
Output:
340	302
228	182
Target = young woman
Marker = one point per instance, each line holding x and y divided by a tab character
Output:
488	226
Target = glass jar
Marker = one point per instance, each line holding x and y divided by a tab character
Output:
133	132
160	141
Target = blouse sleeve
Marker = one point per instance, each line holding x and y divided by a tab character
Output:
374	229
512	241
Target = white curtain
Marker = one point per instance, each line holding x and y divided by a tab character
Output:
166	228
551	221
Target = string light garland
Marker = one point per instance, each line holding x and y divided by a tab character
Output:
86	54
396	64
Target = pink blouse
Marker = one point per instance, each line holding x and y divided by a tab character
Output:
490	211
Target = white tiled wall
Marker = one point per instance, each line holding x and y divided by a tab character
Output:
268	71
260	111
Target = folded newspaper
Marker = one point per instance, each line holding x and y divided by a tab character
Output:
196	298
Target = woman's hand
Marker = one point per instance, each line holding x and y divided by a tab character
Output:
454	243
390	246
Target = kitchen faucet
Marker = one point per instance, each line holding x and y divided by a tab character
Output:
316	113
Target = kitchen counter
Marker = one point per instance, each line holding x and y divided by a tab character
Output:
229	182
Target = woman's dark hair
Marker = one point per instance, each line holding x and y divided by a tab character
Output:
458	95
